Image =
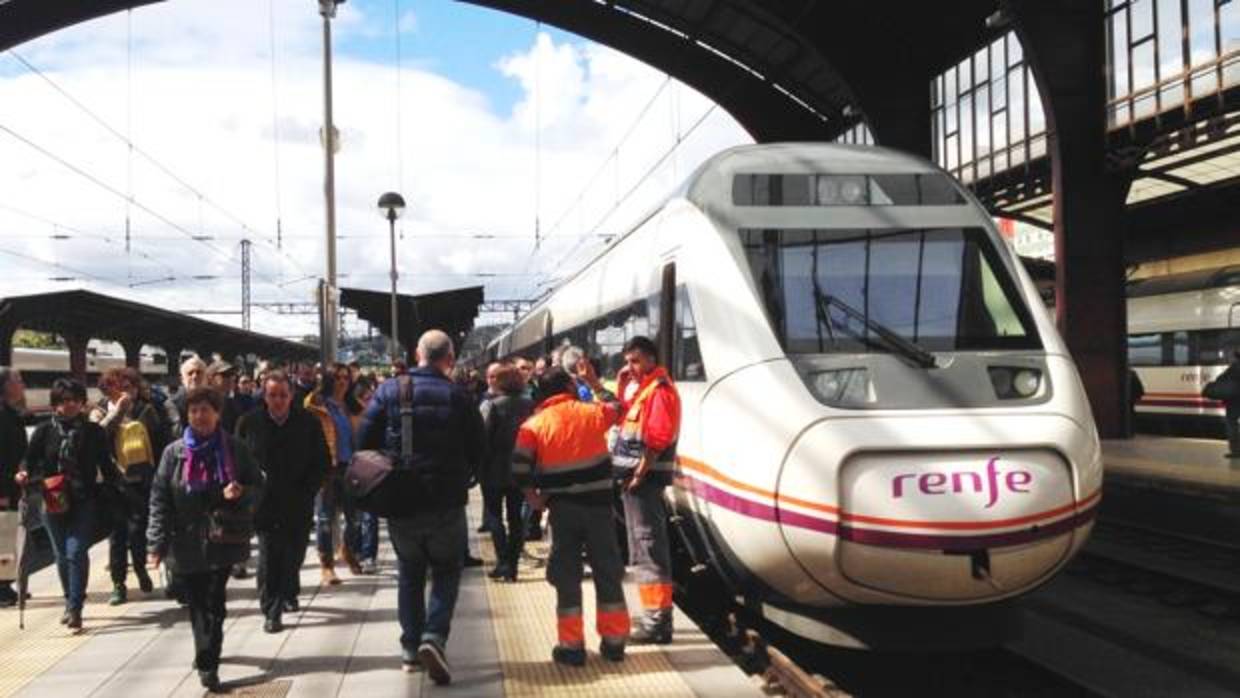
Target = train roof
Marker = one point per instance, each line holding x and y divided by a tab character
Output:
1184	282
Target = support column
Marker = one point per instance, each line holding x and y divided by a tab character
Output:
77	355
1064	42
133	353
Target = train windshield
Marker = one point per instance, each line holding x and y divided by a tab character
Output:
847	291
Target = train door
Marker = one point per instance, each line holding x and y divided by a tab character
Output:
667	315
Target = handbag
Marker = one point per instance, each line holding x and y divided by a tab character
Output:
56	494
374	479
230	525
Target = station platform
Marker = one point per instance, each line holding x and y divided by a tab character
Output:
1170	461
343	642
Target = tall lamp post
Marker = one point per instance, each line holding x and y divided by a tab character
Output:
391	205
330	321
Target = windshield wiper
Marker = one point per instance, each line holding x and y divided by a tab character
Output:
910	350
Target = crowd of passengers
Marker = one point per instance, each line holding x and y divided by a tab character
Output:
185	482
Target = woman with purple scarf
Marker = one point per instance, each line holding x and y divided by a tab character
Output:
201	520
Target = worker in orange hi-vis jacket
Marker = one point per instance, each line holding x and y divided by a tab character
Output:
645	453
561	458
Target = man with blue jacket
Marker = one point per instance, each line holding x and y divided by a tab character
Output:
431	536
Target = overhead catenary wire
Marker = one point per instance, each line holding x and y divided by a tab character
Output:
632	190
275	127
58	226
148	157
116	192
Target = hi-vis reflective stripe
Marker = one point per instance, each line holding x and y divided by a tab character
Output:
577	465
581	488
613	622
571	629
655	596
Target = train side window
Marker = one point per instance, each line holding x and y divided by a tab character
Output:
688	352
1179	349
1214	347
1145	350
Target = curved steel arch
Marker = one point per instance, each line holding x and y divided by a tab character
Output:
785	69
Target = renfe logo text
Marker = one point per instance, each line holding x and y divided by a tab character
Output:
959	481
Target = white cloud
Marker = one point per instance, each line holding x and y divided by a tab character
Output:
202	104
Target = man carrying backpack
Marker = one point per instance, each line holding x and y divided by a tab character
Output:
445	432
135	432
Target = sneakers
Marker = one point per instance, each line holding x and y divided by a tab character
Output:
370	566
569	656
119	595
431	658
409	661
611	652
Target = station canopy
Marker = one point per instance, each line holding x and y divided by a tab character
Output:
452	311
92	315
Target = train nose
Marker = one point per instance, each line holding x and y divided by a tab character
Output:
931	524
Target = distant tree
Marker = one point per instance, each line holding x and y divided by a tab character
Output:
29	339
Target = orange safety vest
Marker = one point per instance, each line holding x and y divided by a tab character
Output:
631	444
562	448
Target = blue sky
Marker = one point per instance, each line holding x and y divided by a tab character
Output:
460	41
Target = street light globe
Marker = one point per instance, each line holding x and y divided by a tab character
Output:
391	205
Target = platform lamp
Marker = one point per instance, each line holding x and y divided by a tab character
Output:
391	205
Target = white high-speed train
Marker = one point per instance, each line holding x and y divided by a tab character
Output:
884	437
1182	330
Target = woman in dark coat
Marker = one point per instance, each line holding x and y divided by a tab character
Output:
201	520
71	447
502	414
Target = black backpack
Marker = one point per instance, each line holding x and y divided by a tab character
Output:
390	486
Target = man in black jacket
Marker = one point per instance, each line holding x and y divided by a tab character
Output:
1232	415
290	449
12	450
447	442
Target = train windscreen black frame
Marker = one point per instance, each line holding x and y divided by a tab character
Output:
946	289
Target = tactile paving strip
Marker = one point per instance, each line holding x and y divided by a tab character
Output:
524	618
25	654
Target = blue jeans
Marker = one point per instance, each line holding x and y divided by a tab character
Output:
332	499
70	534
435	542
367	535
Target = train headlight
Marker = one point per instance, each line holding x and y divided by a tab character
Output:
848	386
842	190
1014	383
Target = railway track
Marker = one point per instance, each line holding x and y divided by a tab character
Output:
1141	612
792	666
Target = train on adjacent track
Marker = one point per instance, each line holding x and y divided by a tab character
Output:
39	367
884	438
1182	332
